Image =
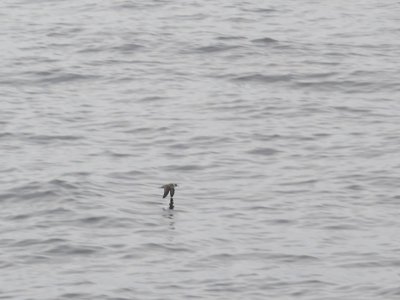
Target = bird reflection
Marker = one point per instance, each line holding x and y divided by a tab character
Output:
170	216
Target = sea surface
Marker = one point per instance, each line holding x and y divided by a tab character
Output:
278	120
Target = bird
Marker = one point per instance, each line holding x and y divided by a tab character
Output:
169	188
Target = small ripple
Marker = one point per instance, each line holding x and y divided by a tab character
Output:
260	10
265	40
228	38
75	295
180	146
73	250
117	154
31	242
67	77
185	167
264	78
348	86
93	220
163	247
301	182
215	48
6	264
390	292
129	175
58	183
264	151
292	258
51	138
282	222
6	134
259	207
152	99
128	47
342	227
351	109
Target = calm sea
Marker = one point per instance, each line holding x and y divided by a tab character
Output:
278	120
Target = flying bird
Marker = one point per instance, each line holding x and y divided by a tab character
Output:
169	189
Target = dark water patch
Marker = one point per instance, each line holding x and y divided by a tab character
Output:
63	184
228	38
237	19
317	76
165	141
19	217
323	63
268	137
301	182
140	6
66	249
223	287
164	247
262	208
91	49
216	48
31	195
243	109
180	146
292	258
210	138
127	5
341	227
43	73
94	220
10	170
259	10
51	138
264	151
387	292
347	86
147	130
265	40
7	196
139	130
77	296
185	168
67	78
202	138
150	99
372	264
32	242
322	135
6	134
128	48
282	222
82	282
5	265
58	211
350	109
77	174
192	17
117	154
355	187
260	78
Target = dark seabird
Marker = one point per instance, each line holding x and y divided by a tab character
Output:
169	188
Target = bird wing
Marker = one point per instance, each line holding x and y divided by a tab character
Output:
166	190
172	191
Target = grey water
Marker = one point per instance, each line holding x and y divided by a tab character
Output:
278	120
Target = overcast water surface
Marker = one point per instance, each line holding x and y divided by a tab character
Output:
278	120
